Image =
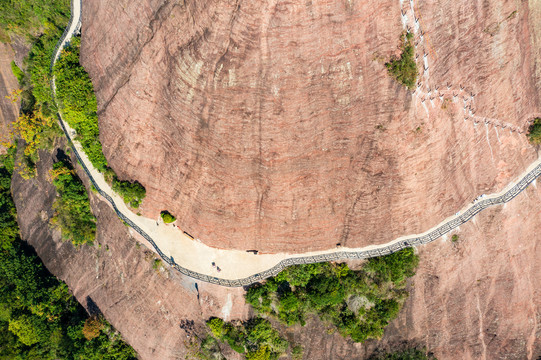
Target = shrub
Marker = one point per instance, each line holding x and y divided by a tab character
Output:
404	69
297	352
133	193
167	217
534	132
77	102
156	264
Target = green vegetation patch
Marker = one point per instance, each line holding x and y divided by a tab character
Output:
404	69
133	193
42	23
256	337
77	102
534	132
30	17
39	319
72	209
19	74
360	304
167	217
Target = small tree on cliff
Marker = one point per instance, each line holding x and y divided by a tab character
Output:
534	132
167	217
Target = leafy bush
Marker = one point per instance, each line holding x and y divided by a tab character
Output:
404	69
39	319
133	193
92	327
72	209
534	132
157	264
359	303
255	337
167	217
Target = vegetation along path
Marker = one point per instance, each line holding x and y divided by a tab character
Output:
192	258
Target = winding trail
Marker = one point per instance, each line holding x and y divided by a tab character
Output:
192	258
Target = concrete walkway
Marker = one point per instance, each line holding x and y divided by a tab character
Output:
194	259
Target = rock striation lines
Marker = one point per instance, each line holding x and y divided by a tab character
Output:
423	93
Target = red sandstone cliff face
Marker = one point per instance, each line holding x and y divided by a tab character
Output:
254	122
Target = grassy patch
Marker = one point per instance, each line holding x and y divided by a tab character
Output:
72	209
404	68
359	304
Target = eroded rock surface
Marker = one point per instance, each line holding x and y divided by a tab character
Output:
8	83
478	297
274	125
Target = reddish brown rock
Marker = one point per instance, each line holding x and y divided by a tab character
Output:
478	297
8	83
274	126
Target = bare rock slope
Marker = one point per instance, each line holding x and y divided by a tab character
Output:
274	125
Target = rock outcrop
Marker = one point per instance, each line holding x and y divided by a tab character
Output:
274	125
8	83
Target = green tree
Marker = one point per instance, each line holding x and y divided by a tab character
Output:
534	132
167	217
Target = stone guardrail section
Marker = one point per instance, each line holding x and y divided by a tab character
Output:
441	230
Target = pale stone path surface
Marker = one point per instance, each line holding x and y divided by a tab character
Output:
238	268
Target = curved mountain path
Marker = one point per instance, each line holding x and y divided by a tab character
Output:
239	268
